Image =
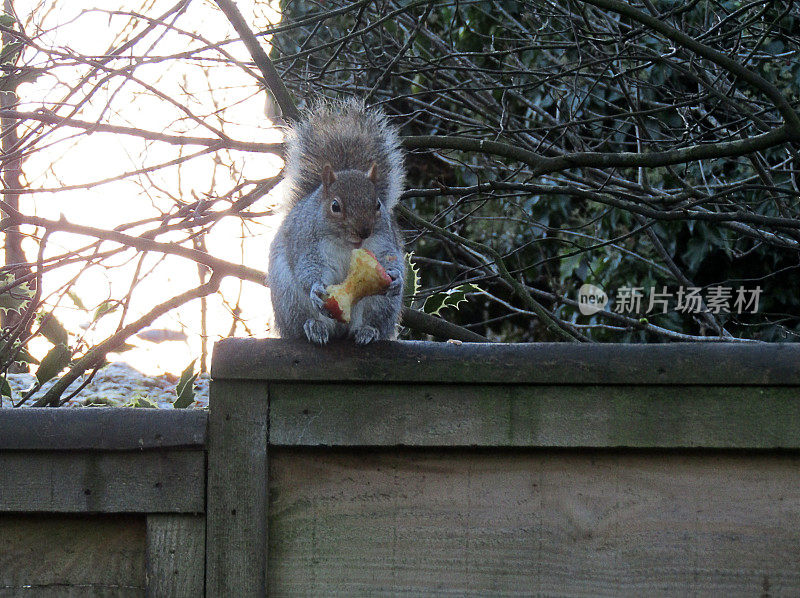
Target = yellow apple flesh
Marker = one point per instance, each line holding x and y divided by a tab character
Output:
365	277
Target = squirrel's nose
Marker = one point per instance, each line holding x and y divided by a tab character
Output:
364	232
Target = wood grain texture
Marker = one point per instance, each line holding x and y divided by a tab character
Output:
530	363
170	481
236	539
72	556
524	523
116	429
536	416
175	556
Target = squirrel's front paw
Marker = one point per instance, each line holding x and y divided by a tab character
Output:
366	335
316	294
316	331
396	285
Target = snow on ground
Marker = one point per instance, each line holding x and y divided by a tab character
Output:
115	385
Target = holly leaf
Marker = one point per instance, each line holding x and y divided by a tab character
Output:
412	278
76	300
16	298
105	307
122	348
141	402
56	360
450	298
568	265
695	252
9	52
18	351
5	388
185	388
53	330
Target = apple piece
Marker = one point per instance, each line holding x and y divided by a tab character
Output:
365	277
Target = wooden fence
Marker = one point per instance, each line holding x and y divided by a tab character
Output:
102	502
421	469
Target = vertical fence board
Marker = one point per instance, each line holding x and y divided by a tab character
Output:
236	548
175	556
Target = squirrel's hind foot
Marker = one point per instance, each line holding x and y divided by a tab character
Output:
366	335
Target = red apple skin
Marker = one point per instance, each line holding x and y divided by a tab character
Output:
332	306
387	280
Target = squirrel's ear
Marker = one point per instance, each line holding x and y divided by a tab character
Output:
328	176
372	173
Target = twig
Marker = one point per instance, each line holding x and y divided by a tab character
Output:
428	324
549	322
97	354
264	64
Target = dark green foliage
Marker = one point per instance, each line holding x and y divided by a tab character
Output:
56	360
560	78
454	297
185	387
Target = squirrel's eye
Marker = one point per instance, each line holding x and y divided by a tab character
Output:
378	207
335	207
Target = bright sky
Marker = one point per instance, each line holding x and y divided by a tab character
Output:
208	90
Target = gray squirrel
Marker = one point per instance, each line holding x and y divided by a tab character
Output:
344	174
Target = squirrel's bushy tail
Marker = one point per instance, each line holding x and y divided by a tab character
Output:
348	136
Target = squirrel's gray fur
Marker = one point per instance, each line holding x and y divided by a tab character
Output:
349	137
312	246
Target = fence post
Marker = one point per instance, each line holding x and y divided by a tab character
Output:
236	539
